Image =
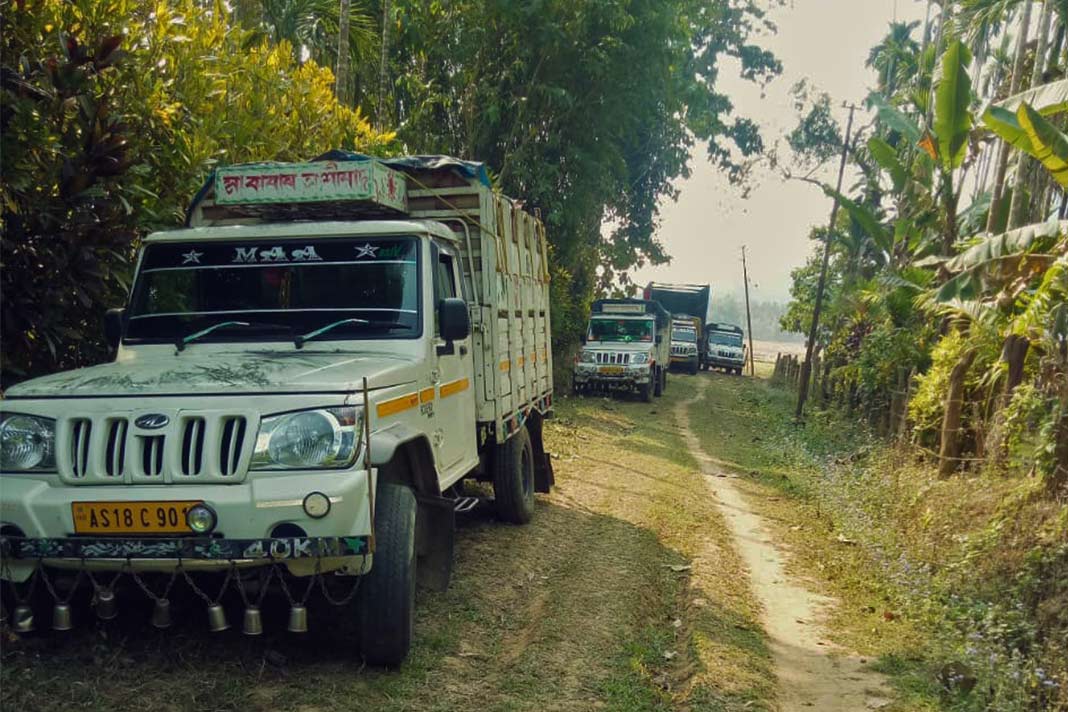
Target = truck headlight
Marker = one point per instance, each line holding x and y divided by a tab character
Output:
308	439
638	359
27	443
588	357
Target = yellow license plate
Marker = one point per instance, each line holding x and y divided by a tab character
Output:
131	517
611	370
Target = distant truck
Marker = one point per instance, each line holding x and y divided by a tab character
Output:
725	346
685	301
627	347
685	333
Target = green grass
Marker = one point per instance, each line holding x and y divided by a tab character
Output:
924	568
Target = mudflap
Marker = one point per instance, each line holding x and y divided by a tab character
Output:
435	533
543	471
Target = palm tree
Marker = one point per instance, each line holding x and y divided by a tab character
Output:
895	57
313	28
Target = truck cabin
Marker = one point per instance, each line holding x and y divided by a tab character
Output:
726	338
621	328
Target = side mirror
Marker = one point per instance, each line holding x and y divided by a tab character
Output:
582	339
113	327
454	321
659	339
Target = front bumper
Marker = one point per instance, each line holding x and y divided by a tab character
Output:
722	362
38	524
624	377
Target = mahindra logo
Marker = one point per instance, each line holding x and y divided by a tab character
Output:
152	421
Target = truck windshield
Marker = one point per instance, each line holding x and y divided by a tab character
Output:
721	339
621	330
369	284
687	335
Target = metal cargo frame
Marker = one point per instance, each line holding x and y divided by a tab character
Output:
504	254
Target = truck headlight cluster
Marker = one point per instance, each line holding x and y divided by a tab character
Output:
638	359
588	356
322	438
27	443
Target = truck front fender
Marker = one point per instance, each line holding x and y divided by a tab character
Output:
403	455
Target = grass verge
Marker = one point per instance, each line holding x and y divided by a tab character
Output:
957	586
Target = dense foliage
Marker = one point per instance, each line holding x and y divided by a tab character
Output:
585	109
112	113
946	317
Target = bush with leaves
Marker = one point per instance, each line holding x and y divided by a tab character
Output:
112	114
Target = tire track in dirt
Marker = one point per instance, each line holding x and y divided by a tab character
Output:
812	673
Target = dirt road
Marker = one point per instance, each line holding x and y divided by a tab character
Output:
812	674
630	591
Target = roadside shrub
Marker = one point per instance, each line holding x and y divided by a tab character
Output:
112	114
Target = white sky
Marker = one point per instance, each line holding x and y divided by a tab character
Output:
826	41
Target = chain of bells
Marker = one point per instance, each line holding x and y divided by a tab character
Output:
105	603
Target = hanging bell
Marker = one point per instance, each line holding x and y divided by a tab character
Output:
61	617
298	619
253	621
161	613
217	618
22	619
106	606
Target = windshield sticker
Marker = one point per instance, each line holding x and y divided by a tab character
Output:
208	255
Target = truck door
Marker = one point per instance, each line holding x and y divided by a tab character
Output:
454	403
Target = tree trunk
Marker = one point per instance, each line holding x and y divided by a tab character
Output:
1014	353
383	69
341	81
1022	199
949	452
1014	86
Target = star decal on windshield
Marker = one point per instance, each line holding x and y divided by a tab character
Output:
367	250
191	257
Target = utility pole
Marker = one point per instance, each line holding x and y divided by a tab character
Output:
748	317
806	366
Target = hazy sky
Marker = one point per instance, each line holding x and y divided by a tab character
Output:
827	42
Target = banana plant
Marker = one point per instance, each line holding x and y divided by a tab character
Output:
1029	131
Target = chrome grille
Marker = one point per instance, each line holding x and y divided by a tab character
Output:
115	447
81	432
192	447
151	462
613	357
232	439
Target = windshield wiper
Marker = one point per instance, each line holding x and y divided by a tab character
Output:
186	340
299	340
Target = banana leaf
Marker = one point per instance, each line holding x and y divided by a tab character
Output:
953	95
892	118
886	156
1048	99
868	221
1005	124
999	259
1050	146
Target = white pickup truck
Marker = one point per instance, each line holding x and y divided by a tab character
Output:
626	348
303	379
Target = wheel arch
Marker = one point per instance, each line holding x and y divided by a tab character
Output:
404	456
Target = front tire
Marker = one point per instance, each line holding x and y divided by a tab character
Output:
645	392
386	601
513	478
658	378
